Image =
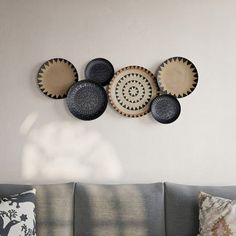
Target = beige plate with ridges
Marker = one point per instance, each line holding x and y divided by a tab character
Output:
177	76
56	76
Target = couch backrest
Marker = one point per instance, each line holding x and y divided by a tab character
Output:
181	206
127	210
54	207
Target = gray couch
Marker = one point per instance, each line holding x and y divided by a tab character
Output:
117	210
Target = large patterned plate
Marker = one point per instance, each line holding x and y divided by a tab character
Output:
87	100
131	91
56	76
177	76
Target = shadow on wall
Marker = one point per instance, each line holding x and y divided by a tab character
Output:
67	151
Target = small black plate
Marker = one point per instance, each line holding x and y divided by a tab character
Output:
87	100
99	70
165	108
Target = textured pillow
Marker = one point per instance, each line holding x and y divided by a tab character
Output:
217	216
17	214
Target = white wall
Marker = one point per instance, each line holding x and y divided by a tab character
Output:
40	141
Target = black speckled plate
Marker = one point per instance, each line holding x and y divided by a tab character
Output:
165	108
87	100
99	70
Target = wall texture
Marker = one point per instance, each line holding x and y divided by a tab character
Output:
41	142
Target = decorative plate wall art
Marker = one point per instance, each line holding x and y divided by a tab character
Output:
99	70
131	91
165	109
56	76
87	100
177	76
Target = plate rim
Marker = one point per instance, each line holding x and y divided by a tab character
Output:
162	65
114	77
94	60
41	71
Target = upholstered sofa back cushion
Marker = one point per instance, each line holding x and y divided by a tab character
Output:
127	210
181	206
54	204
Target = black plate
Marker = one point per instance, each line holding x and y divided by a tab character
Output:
87	100
100	71
165	108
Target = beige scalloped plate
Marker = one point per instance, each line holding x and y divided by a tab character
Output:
131	91
177	76
56	76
